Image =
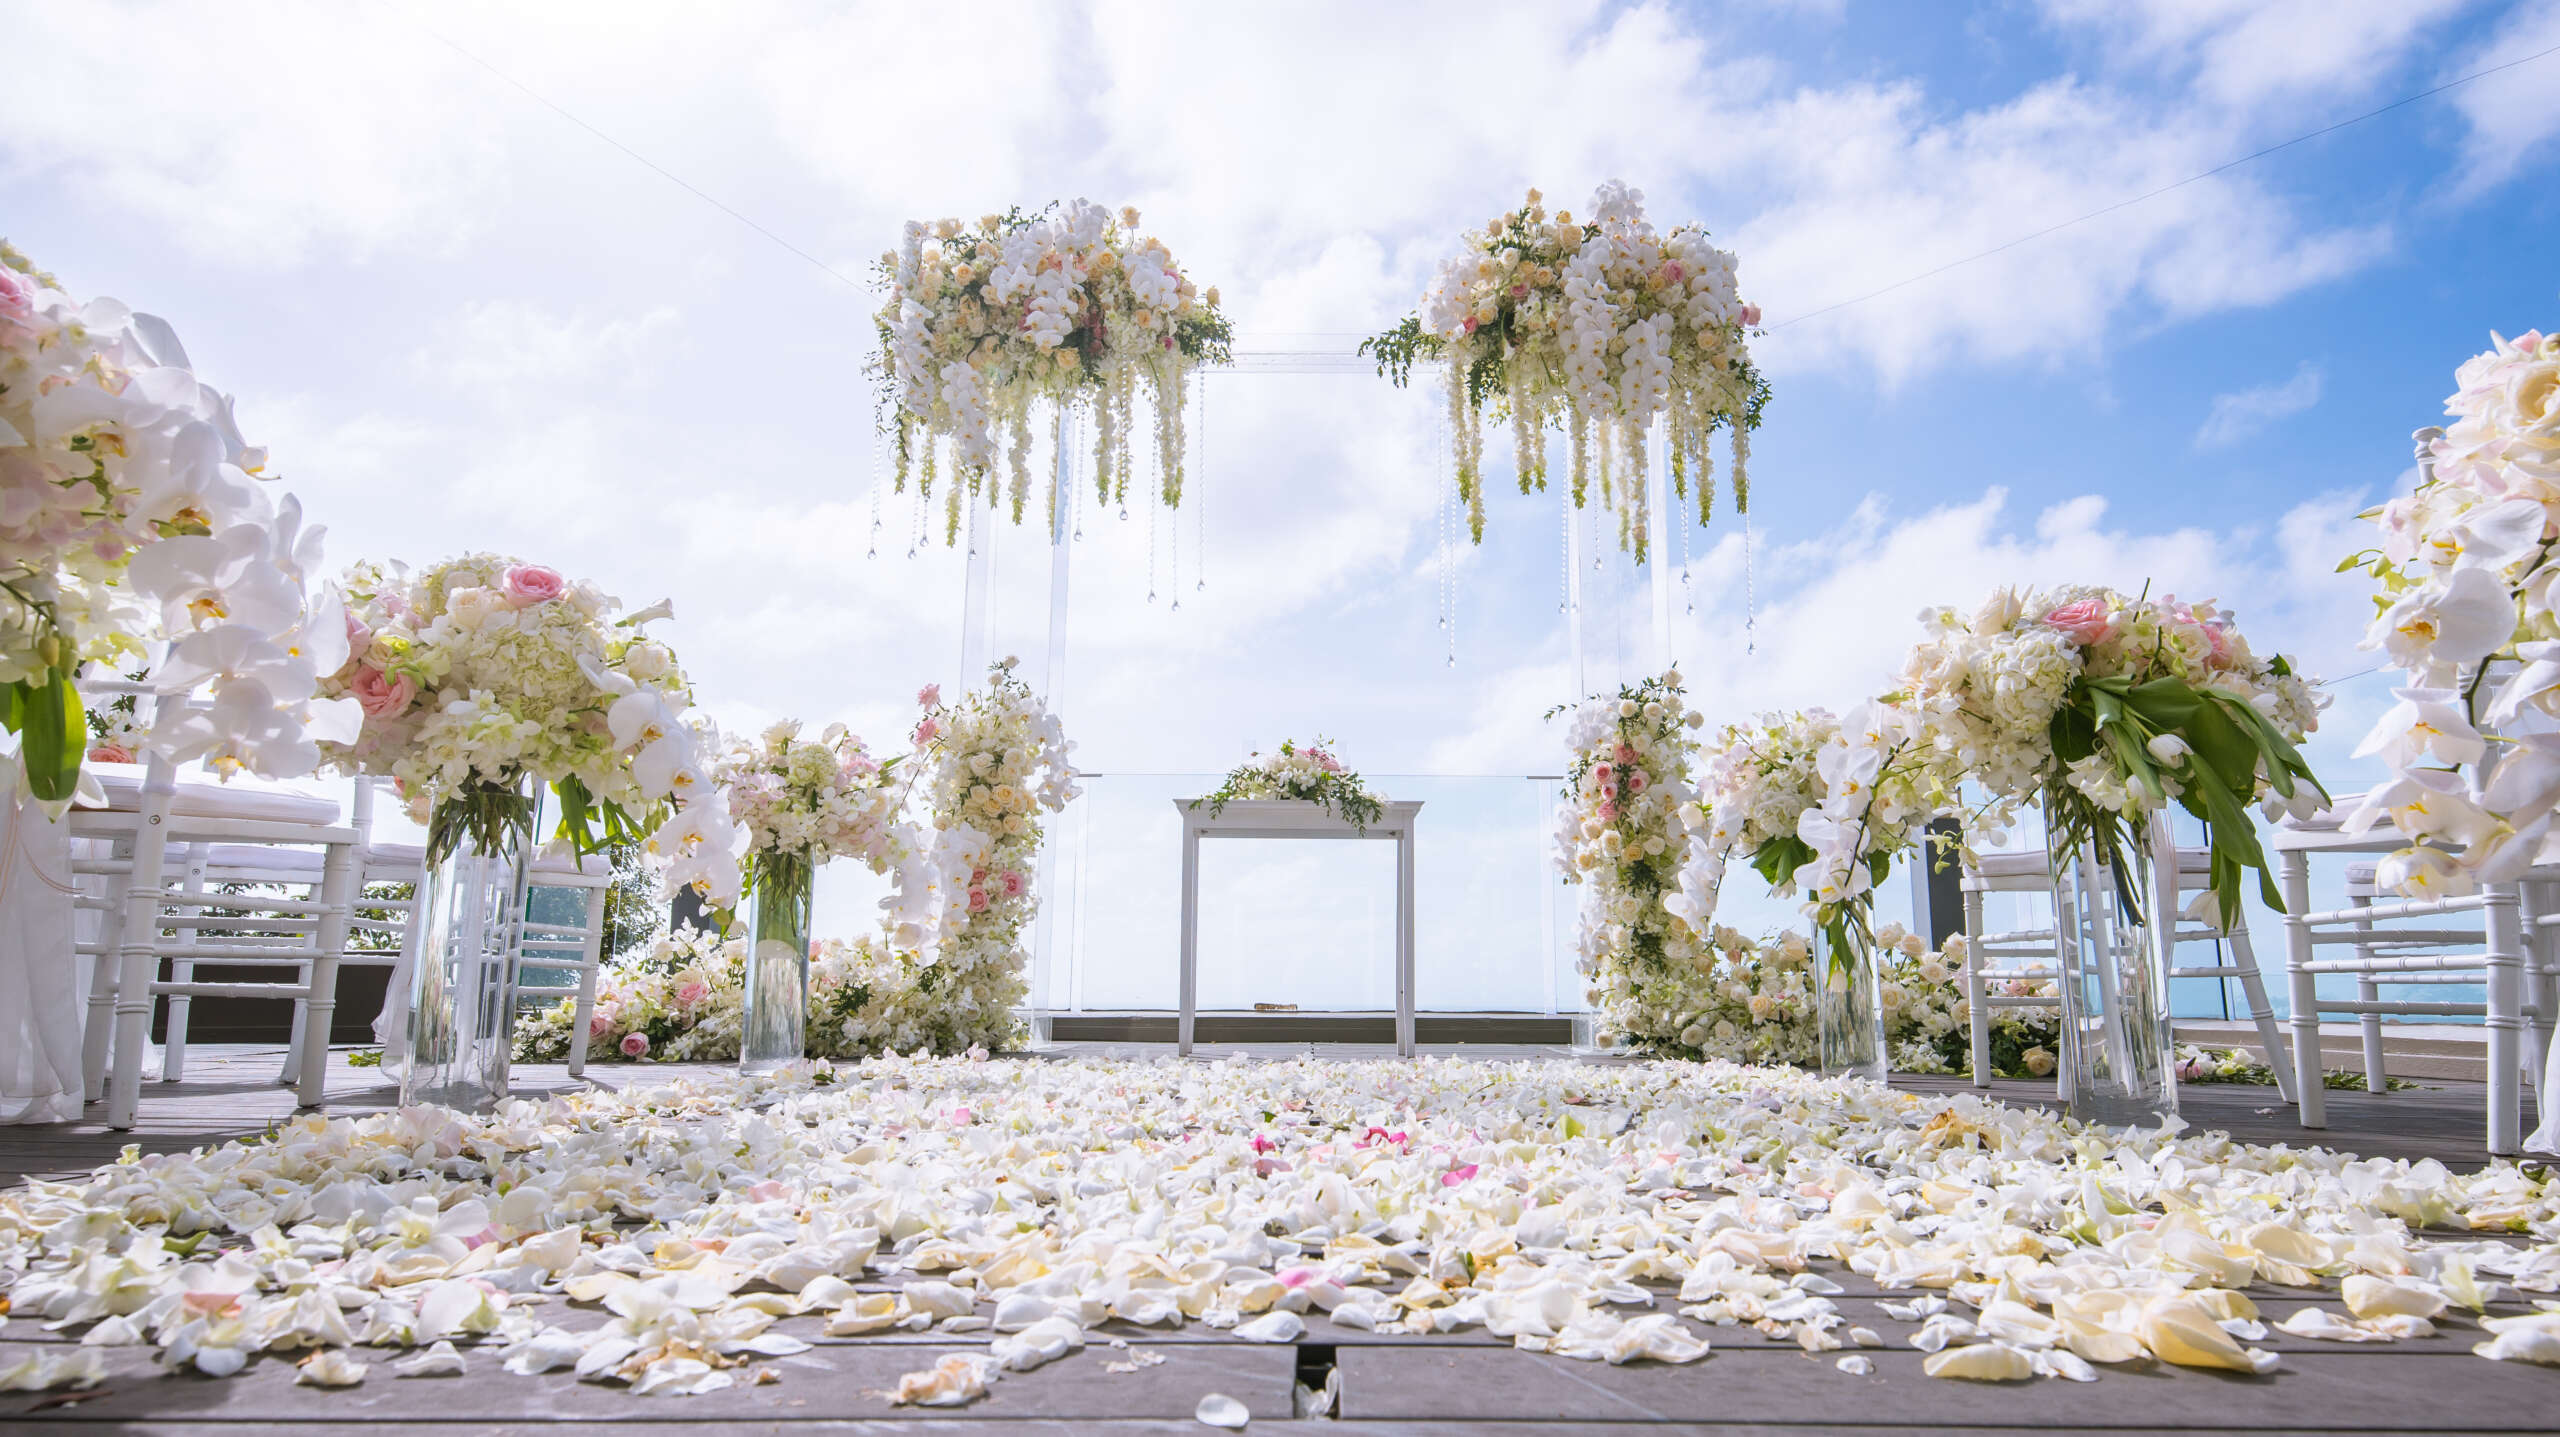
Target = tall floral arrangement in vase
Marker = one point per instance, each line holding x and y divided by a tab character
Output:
133	513
2107	706
1618	836
486	681
1820	807
1599	327
801	804
1070	306
993	763
2464	610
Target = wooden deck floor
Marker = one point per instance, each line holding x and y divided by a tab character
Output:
1457	1383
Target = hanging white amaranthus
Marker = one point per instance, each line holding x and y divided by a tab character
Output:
1071	306
1598	328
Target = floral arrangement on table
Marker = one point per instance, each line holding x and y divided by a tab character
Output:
2465	612
1067	305
683	1000
1308	774
1618	834
995	761
1596	327
131	511
2106	706
482	673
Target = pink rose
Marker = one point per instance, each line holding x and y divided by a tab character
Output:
692	993
1635	780
17	292
530	584
634	1044
1603	770
380	695
1751	314
599	1023
111	753
1470	324
1519	291
1608	812
929	695
359	638
926	730
977	900
1012	884
2083	621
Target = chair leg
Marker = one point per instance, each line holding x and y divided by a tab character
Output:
2310	1098
320	1007
99	1034
2262	1011
138	948
584	1013
182	969
2505	960
1978	1014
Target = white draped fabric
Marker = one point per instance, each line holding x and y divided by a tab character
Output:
41	981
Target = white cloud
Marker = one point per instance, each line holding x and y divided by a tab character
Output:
2513	115
511	345
2241	53
2245	412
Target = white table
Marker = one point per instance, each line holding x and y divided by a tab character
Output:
1293	818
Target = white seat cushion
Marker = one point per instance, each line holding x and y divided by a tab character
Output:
2014	865
262	856
562	864
395	855
123	785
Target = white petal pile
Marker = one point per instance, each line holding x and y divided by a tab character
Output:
1023	1204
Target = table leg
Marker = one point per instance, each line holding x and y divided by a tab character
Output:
1190	937
1404	943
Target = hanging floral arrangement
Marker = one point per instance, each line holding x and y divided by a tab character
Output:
1597	328
1069	306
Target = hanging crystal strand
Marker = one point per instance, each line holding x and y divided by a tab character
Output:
1680	521
915	515
1564	554
1750	595
1200	487
1154	506
1449	576
879	473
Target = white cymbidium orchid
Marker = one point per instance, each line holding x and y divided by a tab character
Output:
2434	630
2426	723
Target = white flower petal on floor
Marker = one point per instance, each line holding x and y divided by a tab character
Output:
697	1213
1219	1410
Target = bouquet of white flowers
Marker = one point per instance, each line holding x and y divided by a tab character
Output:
1308	774
2466	574
1069	306
803	803
2107	706
1598	327
483	672
131	511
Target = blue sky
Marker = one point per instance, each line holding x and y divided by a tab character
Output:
463	320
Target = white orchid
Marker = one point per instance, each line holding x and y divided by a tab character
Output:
2426	723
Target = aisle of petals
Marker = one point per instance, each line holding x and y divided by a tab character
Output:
1025	1203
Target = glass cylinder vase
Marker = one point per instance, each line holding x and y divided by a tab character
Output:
470	925
2117	1048
1848	999
775	1028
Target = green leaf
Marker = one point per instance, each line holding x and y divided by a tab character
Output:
53	736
